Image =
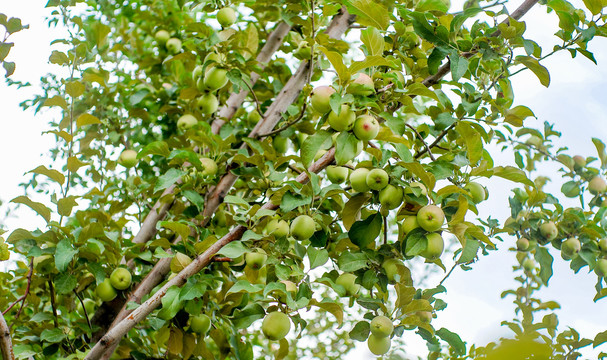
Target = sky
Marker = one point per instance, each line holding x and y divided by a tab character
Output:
574	102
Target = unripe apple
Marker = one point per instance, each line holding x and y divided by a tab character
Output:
179	262
89	306
603	244
522	244
435	246
358	180
278	228
579	162
173	46
105	291
186	121
529	265
549	230
128	158
320	99
600	268
424	316
162	36
253	117
207	103
342	121
391	197
209	166
121	278
362	85
390	266
197	73
200	324
430	217
378	345
226	16
348	281
303	227
280	144
337	174
256	260
409	223
377	179
570	247
276	325
597	185
477	191
215	78
381	326
366	127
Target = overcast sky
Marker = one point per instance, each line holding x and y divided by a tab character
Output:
575	102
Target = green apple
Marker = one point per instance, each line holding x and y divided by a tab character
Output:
377	179
162	36
186	121
121	278
342	121
89	306
362	85
256	260
424	316
570	247
603	244
348	281
303	227
253	117
278	228
430	217
381	326
105	291
209	166
226	16
200	324
529	265
280	144
477	191
549	230
597	185
418	185
128	158
179	262
409	223
434	246
197	73
358	180
215	78
207	103
391	197
366	127
600	268
378	345
276	325
337	174
173	46
579	162
522	244
390	267
321	98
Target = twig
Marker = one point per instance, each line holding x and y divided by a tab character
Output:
27	291
86	315
257	104
436	141
6	343
421	138
448	274
221	259
289	124
385	230
53	305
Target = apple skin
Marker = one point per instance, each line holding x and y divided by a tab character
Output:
391	197
342	121
278	228
522	244
603	244
128	158
390	266
105	291
477	191
276	325
280	144
597	185
381	326
186	121
570	247
378	345
200	324
121	278
362	85
377	179
348	281
215	78
162	36
226	17
366	127
358	180
173	46
253	117
209	166
549	230
529	265
435	246
600	268
303	227
430	218
255	260
424	316
207	103
409	223
179	262
579	162
337	174
320	99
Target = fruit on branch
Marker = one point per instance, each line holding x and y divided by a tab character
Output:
477	191
226	17
173	46
358	180
256	260
89	306
600	268
342	121
186	121
409	223
215	78
128	158
278	228
197	73
391	197
434	246
579	162
105	291
424	316
348	281
381	326
390	267
366	127
303	227
597	185
207	103
200	324
253	117
179	262
121	278
280	144
377	179
378	345
570	247
276	325
522	244
549	230
362	85
162	36
209	167
430	218
320	99
603	244
529	264
416	184
337	174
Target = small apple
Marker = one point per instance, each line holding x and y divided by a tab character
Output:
121	278
430	217
320	99
391	197
366	127
549	230
378	345
226	16
278	228
424	316
162	36
253	117
256	260
186	121
381	326
179	262
390	266
105	291
377	179
434	247
197	73
358	180
337	174
89	306
342	121
362	85
173	46
409	223
477	191
215	78
128	158
600	268
207	103
603	244
209	167
522	244
570	247
529	265
303	227
348	281
200	324
280	144
579	162
597	185
276	325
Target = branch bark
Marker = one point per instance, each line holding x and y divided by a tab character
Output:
6	343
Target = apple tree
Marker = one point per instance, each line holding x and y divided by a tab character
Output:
262	179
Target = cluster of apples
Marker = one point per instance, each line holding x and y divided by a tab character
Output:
379	339
119	280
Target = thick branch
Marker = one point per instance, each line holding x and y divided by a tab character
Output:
6	344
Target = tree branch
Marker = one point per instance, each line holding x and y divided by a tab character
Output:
6	343
27	291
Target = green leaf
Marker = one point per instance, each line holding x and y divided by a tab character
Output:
55	335
369	13
171	303
361	331
600	149
539	70
87	119
317	257
432	5
472	139
338	64
168	179
312	145
178	228
65	283
426	31
363	233
371	61
246	286
595	6
469	251
242	319
352	208
39	208
420	89
333	308
64	255
599	339
459	19
543	257
459	65
59	58
373	40
453	339
52	174
155	148
347	145
56	100
233	250
513	174
349	262
418	170
237	200
291	201
516	115
65	205
192	290
195	198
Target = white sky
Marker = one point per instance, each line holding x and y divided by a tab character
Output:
574	102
